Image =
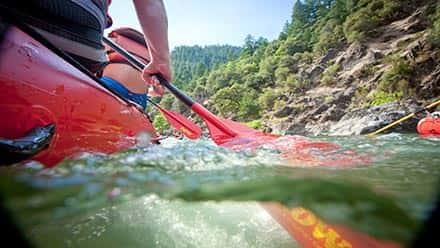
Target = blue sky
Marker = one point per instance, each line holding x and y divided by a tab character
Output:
206	22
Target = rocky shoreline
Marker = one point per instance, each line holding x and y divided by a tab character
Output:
336	105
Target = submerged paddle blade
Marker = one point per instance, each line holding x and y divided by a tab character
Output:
217	135
226	132
220	132
181	123
295	150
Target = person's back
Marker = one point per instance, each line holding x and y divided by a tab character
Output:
119	74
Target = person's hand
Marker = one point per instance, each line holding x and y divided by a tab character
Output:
153	67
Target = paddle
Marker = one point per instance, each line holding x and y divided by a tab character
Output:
432	105
179	122
221	130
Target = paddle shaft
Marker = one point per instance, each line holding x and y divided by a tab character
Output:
404	118
188	101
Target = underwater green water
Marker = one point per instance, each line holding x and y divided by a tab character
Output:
195	194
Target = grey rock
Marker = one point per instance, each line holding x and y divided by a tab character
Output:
285	111
332	114
362	121
315	72
297	128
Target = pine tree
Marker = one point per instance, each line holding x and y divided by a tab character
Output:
299	15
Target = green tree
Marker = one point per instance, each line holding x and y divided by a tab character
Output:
283	35
167	101
299	15
330	36
160	122
434	31
249	107
372	13
227	100
249	45
191	62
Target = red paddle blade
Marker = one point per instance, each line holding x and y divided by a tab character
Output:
181	123
310	231
219	131
224	131
244	134
296	150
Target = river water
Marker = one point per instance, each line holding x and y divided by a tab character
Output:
194	194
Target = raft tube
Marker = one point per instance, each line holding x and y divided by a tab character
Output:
430	125
39	89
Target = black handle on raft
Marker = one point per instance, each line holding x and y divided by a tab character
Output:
16	150
188	101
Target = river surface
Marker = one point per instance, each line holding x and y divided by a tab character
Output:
195	194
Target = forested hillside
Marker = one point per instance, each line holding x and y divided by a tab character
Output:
332	57
191	62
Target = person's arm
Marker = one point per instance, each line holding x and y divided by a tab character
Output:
153	19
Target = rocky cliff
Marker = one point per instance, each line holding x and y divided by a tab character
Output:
350	87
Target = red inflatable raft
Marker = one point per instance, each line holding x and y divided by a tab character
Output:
47	100
430	125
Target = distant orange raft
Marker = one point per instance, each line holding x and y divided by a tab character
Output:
430	125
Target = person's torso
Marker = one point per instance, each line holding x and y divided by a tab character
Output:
75	26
